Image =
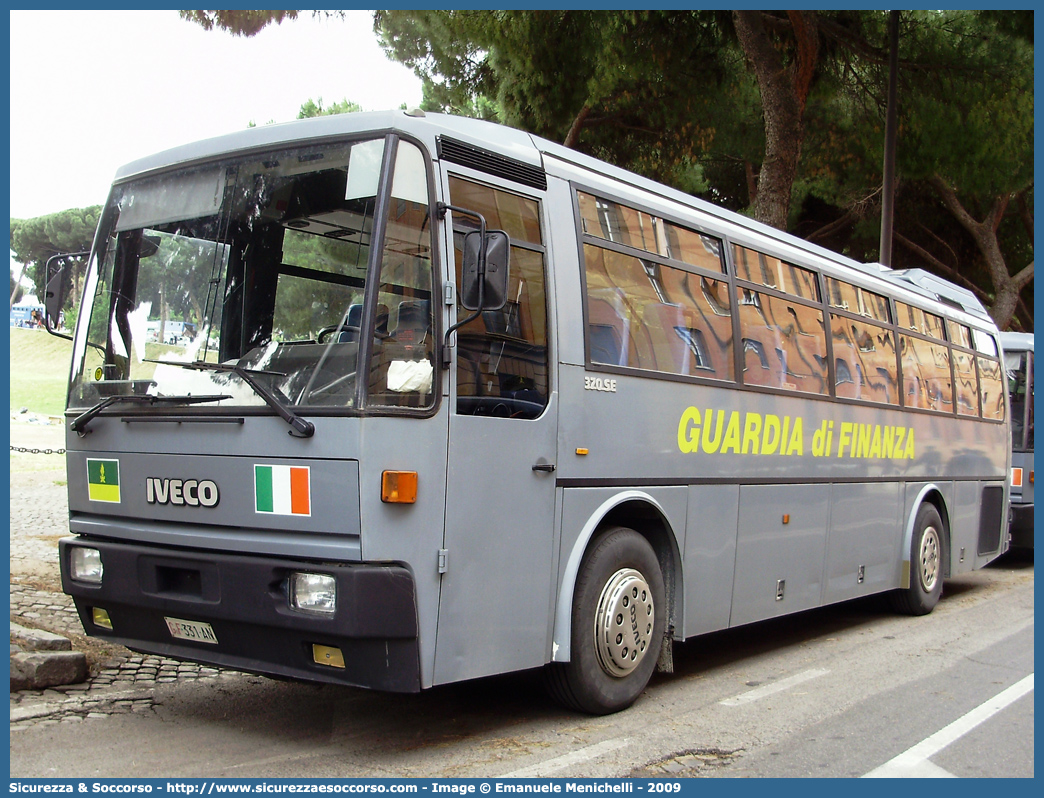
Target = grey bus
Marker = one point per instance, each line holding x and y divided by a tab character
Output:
1018	364
454	401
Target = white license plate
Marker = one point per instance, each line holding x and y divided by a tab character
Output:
191	630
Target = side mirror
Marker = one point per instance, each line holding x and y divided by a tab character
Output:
484	277
54	293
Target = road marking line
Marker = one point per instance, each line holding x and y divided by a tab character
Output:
775	687
564	761
913	761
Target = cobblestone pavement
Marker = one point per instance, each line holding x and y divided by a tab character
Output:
120	680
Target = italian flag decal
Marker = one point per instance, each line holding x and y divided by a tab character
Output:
103	480
282	490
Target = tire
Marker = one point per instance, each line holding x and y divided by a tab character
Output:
619	613
926	565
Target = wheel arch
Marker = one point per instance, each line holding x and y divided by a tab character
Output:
645	515
929	494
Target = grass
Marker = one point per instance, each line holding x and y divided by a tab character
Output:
39	371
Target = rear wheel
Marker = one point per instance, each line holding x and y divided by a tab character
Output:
619	612
926	565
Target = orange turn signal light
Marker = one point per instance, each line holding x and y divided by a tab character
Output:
399	487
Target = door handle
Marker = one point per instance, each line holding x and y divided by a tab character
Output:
545	467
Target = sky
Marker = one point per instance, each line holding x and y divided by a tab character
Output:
92	90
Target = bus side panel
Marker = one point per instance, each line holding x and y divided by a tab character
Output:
583	513
408	534
863	549
710	557
780	550
964	526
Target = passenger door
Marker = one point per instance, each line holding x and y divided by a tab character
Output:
500	503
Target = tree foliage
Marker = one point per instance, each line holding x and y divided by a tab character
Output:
312	108
777	114
618	85
966	155
34	241
238	22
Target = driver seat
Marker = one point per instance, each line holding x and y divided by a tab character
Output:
352	319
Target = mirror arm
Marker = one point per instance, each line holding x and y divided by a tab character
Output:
442	208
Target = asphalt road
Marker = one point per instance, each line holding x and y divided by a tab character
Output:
846	691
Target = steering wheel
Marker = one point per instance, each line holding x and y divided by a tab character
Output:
335	328
311	393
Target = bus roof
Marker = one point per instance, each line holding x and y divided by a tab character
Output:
1016	341
531	151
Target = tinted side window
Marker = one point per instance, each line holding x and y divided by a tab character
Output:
959	334
865	365
766	270
857	300
502	359
784	343
613	221
920	321
784	337
967	383
991	389
926	375
647	315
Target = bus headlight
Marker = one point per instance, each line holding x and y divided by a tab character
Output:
85	564
313	592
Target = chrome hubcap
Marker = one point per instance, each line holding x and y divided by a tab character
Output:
929	559
624	622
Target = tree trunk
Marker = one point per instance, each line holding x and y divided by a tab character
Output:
1006	286
573	136
784	90
17	285
77	297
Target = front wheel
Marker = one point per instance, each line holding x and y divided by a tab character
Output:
619	613
926	565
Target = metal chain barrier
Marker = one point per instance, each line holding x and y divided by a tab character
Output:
24	450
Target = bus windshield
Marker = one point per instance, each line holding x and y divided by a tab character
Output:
1019	368
250	280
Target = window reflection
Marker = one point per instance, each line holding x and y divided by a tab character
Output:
757	267
620	224
926	375
967	383
921	321
502	355
642	314
991	389
857	300
864	352
784	343
517	216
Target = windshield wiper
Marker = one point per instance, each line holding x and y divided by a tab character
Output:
299	427
79	424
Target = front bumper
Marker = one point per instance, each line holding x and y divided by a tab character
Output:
1022	526
244	599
